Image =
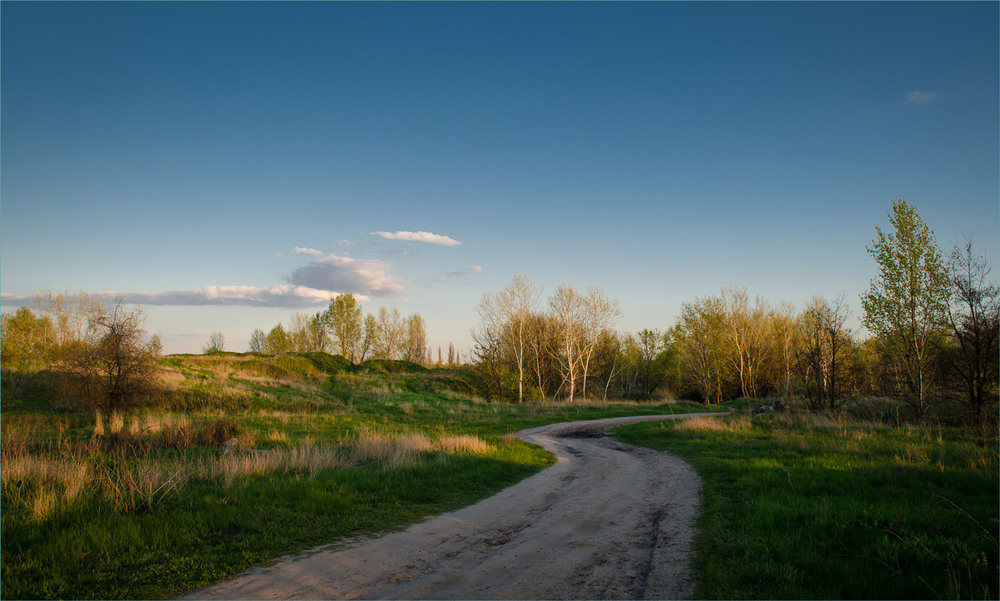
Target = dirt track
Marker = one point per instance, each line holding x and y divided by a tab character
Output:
608	521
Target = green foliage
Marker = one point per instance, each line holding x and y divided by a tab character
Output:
343	318
906	304
800	507
386	366
26	339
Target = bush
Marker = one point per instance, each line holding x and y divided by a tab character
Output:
217	432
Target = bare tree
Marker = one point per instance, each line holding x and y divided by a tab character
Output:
747	329
825	338
391	333
508	312
599	313
567	312
974	321
216	344
783	335
258	341
115	365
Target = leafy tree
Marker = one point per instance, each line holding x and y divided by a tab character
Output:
415	347
115	366
705	346
906	303
277	341
371	341
343	318
26	339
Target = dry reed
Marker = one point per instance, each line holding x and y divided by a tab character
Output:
465	444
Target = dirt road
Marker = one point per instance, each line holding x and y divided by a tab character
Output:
608	521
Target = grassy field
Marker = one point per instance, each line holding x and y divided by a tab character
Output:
803	506
243	459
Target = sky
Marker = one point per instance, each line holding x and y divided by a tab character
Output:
226	165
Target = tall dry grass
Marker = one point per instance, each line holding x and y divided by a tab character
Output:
720	423
389	449
121	467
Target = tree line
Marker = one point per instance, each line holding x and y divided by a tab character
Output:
344	329
100	351
934	326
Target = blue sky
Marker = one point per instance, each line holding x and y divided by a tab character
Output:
229	164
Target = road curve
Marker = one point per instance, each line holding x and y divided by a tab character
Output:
607	521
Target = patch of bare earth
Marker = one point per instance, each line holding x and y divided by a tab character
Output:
608	521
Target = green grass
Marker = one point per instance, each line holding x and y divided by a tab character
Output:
154	508
806	507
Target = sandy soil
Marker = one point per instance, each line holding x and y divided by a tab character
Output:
608	521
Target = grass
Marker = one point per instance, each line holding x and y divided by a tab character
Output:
803	506
243	459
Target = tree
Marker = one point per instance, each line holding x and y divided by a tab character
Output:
825	338
115	365
598	314
415	346
26	339
371	341
705	346
71	314
391	333
783	336
566	310
258	341
277	341
747	327
906	303
654	357
343	318
974	321
508	313
216	344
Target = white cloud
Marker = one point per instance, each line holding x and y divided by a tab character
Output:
918	97
476	268
426	237
312	252
359	276
284	295
314	284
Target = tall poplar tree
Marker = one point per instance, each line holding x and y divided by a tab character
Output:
905	304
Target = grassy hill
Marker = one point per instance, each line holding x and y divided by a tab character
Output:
242	458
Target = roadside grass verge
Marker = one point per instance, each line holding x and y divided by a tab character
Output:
244	459
806	506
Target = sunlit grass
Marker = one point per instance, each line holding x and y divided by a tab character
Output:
819	506
243	459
